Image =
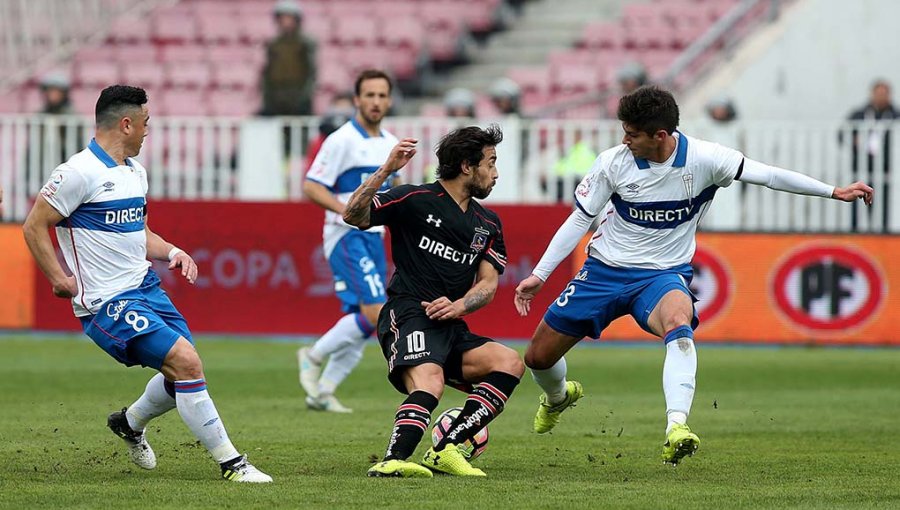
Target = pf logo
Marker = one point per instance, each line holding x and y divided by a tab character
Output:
711	284
828	288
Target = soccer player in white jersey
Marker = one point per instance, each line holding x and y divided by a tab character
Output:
357	258
650	192
97	203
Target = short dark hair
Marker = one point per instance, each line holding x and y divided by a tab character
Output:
649	109
464	145
115	101
371	74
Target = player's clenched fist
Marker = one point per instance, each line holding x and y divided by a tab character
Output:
67	288
442	309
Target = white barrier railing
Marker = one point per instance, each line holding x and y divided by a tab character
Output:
265	159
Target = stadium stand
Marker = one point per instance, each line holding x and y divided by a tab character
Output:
204	49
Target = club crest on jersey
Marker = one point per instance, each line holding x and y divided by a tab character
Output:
480	239
114	309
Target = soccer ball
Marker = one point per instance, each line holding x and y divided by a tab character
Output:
471	448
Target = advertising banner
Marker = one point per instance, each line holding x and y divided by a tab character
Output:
16	279
262	269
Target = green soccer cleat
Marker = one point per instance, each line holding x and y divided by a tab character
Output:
548	415
680	442
399	469
450	460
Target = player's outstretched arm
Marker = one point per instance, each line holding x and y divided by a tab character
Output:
159	249
781	179
37	237
322	196
358	208
479	295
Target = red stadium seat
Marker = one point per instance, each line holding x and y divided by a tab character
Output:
183	53
356	31
602	36
84	100
129	31
186	103
136	53
12	102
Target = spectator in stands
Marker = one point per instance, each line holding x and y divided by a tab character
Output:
505	95
339	112
55	92
721	110
630	77
459	102
289	75
875	141
572	167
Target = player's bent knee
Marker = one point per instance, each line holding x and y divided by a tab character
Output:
182	362
535	361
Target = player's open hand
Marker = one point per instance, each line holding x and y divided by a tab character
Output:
187	265
401	154
443	309
853	192
525	292
67	288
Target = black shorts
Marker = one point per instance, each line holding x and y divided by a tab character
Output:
409	338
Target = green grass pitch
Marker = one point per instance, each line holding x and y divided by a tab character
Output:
780	428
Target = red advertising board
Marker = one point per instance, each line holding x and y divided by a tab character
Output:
262	269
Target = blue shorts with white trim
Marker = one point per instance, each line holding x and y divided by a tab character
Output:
599	294
359	265
139	326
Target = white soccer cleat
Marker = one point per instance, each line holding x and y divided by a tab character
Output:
328	403
309	373
242	471
139	450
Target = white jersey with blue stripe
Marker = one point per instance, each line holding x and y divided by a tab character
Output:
102	236
651	210
347	158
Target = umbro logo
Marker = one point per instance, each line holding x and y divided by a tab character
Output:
109	185
633	187
432	219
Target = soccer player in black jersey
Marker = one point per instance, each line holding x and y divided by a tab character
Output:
449	254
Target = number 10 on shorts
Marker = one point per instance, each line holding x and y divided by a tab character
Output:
415	341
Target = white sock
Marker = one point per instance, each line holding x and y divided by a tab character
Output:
552	381
200	415
339	366
679	379
345	331
154	402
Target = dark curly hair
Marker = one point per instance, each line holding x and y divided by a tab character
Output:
464	145
115	101
649	109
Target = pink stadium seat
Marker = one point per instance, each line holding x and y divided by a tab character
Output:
574	80
232	103
479	16
136	53
12	102
183	53
97	74
403	32
257	29
320	29
219	28
235	53
143	74
333	78
171	26
603	36
186	103
129	31
84	99
236	74
104	53
32	100
356	31
638	14
433	110
193	75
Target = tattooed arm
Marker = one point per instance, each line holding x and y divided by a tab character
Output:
358	208
479	295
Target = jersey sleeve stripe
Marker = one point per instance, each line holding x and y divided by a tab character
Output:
404	197
500	260
577	203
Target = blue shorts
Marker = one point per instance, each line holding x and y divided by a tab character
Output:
359	265
139	326
599	294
